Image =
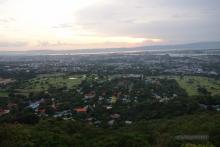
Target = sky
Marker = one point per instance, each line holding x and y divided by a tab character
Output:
87	24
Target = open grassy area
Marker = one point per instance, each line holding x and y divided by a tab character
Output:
43	82
191	84
3	94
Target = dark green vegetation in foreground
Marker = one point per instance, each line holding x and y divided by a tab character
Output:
161	132
159	107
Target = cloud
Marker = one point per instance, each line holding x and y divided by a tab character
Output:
102	23
7	20
3	1
174	20
66	25
97	42
12	44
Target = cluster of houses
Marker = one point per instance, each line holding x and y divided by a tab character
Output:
190	70
210	107
4	81
91	101
107	104
4	111
164	99
7	110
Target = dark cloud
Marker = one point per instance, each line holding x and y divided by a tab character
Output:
177	20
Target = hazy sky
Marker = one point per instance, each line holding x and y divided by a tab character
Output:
72	24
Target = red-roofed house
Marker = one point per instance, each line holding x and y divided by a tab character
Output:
41	110
81	110
4	111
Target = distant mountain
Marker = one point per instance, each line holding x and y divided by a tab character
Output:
191	46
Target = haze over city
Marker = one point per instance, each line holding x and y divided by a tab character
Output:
83	24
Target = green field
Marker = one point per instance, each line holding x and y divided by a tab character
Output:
191	84
3	94
43	82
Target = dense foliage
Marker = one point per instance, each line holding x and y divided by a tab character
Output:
160	132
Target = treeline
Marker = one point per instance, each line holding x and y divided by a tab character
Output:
160	132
